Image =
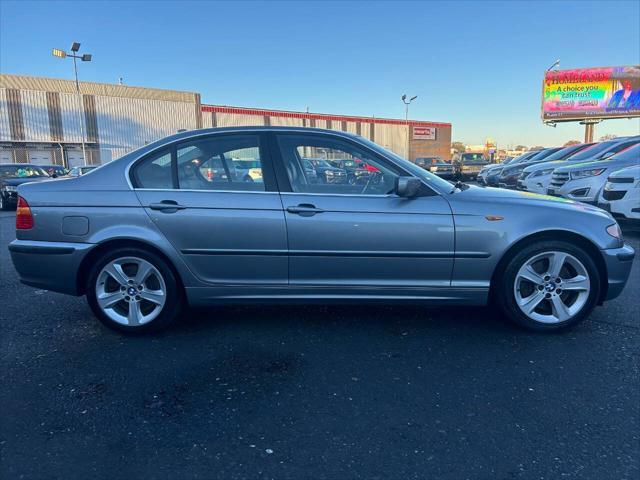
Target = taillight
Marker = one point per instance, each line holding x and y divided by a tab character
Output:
24	218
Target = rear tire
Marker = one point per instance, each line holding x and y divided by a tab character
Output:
133	291
548	286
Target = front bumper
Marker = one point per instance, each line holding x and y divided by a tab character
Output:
49	265
618	262
627	207
536	184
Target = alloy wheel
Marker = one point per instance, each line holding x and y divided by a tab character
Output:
130	291
552	287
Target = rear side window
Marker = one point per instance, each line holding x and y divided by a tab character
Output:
154	171
221	163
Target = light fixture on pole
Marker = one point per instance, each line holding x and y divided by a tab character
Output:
555	64
406	105
75	47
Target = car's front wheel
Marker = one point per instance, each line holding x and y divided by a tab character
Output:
133	291
549	286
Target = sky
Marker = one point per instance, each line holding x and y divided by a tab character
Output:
476	64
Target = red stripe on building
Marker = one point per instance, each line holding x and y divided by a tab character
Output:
317	116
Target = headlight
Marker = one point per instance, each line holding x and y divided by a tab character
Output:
540	173
329	173
593	172
10	188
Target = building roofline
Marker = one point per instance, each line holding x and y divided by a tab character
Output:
318	116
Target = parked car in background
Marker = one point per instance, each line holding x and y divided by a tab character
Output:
437	166
55	171
535	178
510	174
356	173
585	181
489	174
621	194
309	170
79	171
468	165
327	173
405	235
14	174
426	162
248	170
596	151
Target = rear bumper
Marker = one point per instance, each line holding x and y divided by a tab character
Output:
49	265
618	262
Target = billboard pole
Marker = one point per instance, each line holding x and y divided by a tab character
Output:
589	127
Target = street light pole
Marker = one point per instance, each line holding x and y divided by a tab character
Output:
85	58
80	110
406	116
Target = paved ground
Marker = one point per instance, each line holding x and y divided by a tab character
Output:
315	393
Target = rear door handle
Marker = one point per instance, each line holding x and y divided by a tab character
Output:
305	210
167	206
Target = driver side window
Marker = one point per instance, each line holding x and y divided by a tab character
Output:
319	164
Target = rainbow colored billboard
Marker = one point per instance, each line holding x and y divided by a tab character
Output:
591	93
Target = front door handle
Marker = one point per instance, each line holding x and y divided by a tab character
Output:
167	206
305	210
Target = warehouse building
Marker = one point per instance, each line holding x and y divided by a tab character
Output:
40	121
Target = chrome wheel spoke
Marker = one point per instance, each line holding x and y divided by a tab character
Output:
108	300
579	282
560	310
556	262
530	303
144	270
530	274
135	315
116	272
153	296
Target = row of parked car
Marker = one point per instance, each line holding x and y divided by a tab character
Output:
14	174
606	174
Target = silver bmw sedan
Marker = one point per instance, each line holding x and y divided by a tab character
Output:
184	222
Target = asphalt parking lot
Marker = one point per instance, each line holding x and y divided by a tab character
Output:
313	392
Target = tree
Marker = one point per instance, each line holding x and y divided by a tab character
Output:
521	148
458	147
571	142
609	136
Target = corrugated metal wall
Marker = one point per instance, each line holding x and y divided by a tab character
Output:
5	131
36	116
125	124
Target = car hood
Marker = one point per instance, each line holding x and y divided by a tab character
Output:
475	195
597	164
19	181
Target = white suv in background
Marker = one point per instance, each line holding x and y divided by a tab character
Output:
585	181
621	194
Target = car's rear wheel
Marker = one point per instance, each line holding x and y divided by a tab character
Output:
133	291
549	286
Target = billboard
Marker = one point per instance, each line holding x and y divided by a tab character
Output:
596	93
424	133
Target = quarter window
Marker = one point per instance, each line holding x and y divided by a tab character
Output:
316	164
220	163
153	172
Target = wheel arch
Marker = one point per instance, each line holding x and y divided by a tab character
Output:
565	235
109	245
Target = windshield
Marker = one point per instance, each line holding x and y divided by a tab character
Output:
629	153
22	171
437	183
472	157
566	152
594	151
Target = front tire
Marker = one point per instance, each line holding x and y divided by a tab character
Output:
549	286
133	291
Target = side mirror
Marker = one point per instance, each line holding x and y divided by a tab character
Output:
407	186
